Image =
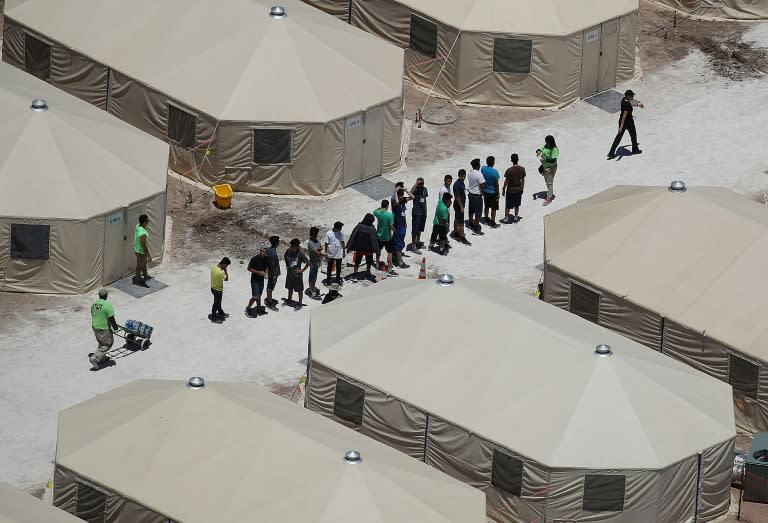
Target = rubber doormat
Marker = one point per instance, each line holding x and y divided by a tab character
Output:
377	188
126	285
609	101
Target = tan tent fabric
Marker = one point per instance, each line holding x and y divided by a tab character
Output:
736	9
689	255
546	379
305	73
337	8
181	456
17	506
467	35
616	313
73	168
544	17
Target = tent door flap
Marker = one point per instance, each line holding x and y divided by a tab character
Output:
590	61
609	48
353	149
372	135
115	238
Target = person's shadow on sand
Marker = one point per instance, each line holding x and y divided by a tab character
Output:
621	152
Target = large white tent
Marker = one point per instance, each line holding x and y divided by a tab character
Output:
73	182
682	272
293	104
514	401
535	53
734	9
154	451
17	506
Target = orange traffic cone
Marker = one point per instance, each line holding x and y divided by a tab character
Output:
423	269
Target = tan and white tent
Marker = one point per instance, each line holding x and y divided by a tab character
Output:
295	104
682	272
513	400
735	9
17	506
337	8
535	53
73	182
154	451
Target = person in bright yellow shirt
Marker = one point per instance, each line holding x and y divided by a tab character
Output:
141	249
104	324
218	276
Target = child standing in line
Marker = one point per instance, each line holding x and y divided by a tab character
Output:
335	249
295	265
316	256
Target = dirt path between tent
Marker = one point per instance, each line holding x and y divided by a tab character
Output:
665	36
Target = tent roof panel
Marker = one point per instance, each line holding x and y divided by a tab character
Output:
233	452
233	63
695	257
523	374
73	161
532	17
17	506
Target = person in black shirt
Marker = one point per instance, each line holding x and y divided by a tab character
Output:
258	269
459	204
626	123
418	215
398	205
364	242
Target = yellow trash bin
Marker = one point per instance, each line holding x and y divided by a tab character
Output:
223	193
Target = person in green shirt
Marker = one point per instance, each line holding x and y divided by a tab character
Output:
218	276
103	323
385	229
141	249
548	155
439	239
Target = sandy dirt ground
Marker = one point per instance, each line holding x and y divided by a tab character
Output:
704	121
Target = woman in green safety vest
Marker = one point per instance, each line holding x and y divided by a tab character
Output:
548	155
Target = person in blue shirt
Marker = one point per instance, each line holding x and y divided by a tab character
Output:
399	208
491	192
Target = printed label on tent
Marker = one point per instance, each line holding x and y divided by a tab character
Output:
592	36
355	121
115	218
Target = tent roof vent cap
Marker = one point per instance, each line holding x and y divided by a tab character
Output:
445	280
196	383
677	186
278	12
603	350
352	457
39	105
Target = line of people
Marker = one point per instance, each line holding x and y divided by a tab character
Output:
474	197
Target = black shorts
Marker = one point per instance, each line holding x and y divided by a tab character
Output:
294	283
491	202
458	213
386	245
357	258
514	199
475	204
271	282
418	222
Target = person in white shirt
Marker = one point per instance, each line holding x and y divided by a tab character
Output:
446	188
335	249
475	188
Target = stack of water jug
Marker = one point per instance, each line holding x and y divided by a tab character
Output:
142	329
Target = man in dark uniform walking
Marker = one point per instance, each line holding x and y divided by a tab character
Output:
626	123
